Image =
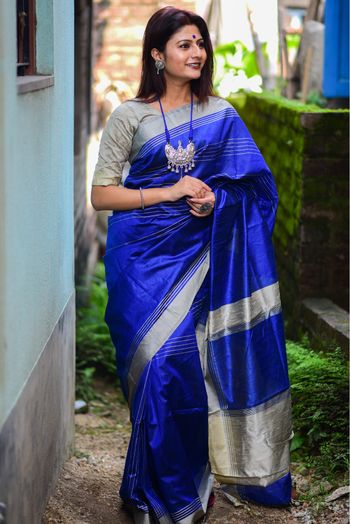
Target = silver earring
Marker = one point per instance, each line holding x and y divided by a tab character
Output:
159	65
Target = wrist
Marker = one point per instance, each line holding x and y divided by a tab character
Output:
168	194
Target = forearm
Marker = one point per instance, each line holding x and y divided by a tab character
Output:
122	198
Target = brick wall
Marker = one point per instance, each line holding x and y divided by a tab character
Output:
123	23
324	214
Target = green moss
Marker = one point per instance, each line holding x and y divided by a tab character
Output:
276	126
281	104
238	100
283	130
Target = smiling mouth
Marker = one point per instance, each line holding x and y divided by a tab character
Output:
194	65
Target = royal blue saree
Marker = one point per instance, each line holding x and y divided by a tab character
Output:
194	313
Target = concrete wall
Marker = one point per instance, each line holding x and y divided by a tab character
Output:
36	258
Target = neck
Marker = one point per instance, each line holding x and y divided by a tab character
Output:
177	93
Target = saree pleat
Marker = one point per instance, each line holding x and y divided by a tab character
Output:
169	443
195	315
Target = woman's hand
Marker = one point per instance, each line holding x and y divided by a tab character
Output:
196	203
188	186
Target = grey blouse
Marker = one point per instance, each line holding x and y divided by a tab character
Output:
130	126
115	146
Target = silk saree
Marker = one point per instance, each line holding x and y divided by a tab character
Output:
195	316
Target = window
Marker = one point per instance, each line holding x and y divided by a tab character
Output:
26	24
35	55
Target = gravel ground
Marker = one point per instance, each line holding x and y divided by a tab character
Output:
87	489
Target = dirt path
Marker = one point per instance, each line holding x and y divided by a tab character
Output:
87	490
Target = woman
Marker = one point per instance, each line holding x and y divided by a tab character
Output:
194	309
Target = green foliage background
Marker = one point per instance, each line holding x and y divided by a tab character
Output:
320	392
234	57
94	349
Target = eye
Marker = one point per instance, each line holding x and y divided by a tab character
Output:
201	45
184	46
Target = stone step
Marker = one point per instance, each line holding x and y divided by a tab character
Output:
326	323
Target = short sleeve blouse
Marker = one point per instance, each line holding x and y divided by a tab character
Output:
115	146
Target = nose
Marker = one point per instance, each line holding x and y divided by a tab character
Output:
196	51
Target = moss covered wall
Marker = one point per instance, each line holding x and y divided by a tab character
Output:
306	149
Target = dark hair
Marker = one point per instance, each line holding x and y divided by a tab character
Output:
160	27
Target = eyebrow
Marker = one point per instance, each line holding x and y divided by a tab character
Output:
189	40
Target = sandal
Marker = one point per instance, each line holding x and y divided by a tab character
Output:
211	500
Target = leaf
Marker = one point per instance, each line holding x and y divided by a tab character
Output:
297	442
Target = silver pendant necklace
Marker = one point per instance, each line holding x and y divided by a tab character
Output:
179	159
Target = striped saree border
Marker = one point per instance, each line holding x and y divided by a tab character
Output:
176	131
166	318
186	515
251	449
245	313
198	507
247	446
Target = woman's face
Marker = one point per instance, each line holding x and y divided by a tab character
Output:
184	54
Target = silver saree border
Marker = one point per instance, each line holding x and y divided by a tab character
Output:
245	313
247	446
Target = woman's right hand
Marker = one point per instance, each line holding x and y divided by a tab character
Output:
188	186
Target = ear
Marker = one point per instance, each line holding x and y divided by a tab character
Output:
157	55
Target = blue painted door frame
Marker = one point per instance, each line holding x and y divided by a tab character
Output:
336	50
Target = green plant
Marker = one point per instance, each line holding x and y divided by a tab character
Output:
319	385
314	97
83	382
236	68
94	349
293	41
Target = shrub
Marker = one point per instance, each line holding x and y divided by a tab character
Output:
319	385
95	352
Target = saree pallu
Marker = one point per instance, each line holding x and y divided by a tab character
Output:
194	313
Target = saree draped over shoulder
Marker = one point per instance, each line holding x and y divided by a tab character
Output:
194	313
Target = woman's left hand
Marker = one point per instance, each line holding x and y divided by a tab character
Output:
196	203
